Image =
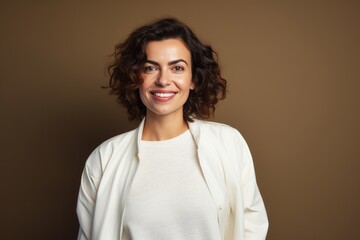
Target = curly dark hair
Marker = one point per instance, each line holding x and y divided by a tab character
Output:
130	56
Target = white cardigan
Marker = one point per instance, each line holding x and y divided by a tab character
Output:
225	161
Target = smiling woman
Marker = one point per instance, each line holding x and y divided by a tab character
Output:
166	83
131	57
176	176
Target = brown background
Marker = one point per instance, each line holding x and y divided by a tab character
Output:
293	72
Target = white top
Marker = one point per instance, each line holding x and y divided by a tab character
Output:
226	164
169	198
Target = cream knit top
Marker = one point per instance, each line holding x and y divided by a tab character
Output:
169	199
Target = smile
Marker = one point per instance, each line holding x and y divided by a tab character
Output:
163	95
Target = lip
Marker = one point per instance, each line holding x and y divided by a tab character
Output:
162	95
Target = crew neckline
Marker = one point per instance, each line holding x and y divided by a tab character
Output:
180	137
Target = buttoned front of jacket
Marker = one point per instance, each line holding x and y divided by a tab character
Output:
226	164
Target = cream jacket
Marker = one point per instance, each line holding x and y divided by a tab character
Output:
225	161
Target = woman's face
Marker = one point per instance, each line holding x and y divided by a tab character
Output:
167	78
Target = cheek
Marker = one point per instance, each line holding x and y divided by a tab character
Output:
142	93
145	84
186	82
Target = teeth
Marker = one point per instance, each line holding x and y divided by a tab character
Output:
164	95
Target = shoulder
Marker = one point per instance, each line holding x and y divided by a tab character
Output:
117	141
227	141
219	129
221	135
102	154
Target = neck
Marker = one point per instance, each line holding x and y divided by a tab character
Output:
158	128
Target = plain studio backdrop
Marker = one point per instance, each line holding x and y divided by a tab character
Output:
293	74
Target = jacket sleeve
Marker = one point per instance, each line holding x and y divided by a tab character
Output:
90	180
255	217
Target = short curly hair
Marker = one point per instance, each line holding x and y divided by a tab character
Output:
130	57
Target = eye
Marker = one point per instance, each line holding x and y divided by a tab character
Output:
178	68
148	69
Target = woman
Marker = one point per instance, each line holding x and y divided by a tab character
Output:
175	176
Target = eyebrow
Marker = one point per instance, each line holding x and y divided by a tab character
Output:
169	63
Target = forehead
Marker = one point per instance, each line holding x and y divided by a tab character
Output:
169	48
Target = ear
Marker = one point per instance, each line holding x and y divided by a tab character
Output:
192	85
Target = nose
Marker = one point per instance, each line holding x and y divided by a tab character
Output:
163	79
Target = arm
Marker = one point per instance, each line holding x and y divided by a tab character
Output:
255	217
87	196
